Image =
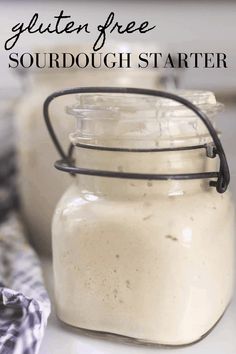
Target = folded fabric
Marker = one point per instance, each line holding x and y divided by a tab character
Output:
24	303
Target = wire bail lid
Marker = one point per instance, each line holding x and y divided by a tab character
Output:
214	148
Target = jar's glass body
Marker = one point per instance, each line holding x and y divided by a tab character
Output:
151	260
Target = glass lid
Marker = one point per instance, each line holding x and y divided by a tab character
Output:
136	121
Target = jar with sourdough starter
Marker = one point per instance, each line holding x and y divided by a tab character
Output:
143	240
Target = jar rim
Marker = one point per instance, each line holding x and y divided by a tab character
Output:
131	120
113	103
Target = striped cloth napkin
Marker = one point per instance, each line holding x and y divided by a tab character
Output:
24	303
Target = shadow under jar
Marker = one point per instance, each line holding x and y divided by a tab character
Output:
139	255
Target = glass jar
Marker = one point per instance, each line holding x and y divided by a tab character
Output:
143	240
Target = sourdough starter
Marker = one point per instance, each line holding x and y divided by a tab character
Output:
151	260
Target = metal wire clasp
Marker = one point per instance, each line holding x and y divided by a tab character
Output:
66	164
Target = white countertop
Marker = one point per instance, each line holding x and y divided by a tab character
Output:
62	339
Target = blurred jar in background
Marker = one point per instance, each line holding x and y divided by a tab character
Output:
40	185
